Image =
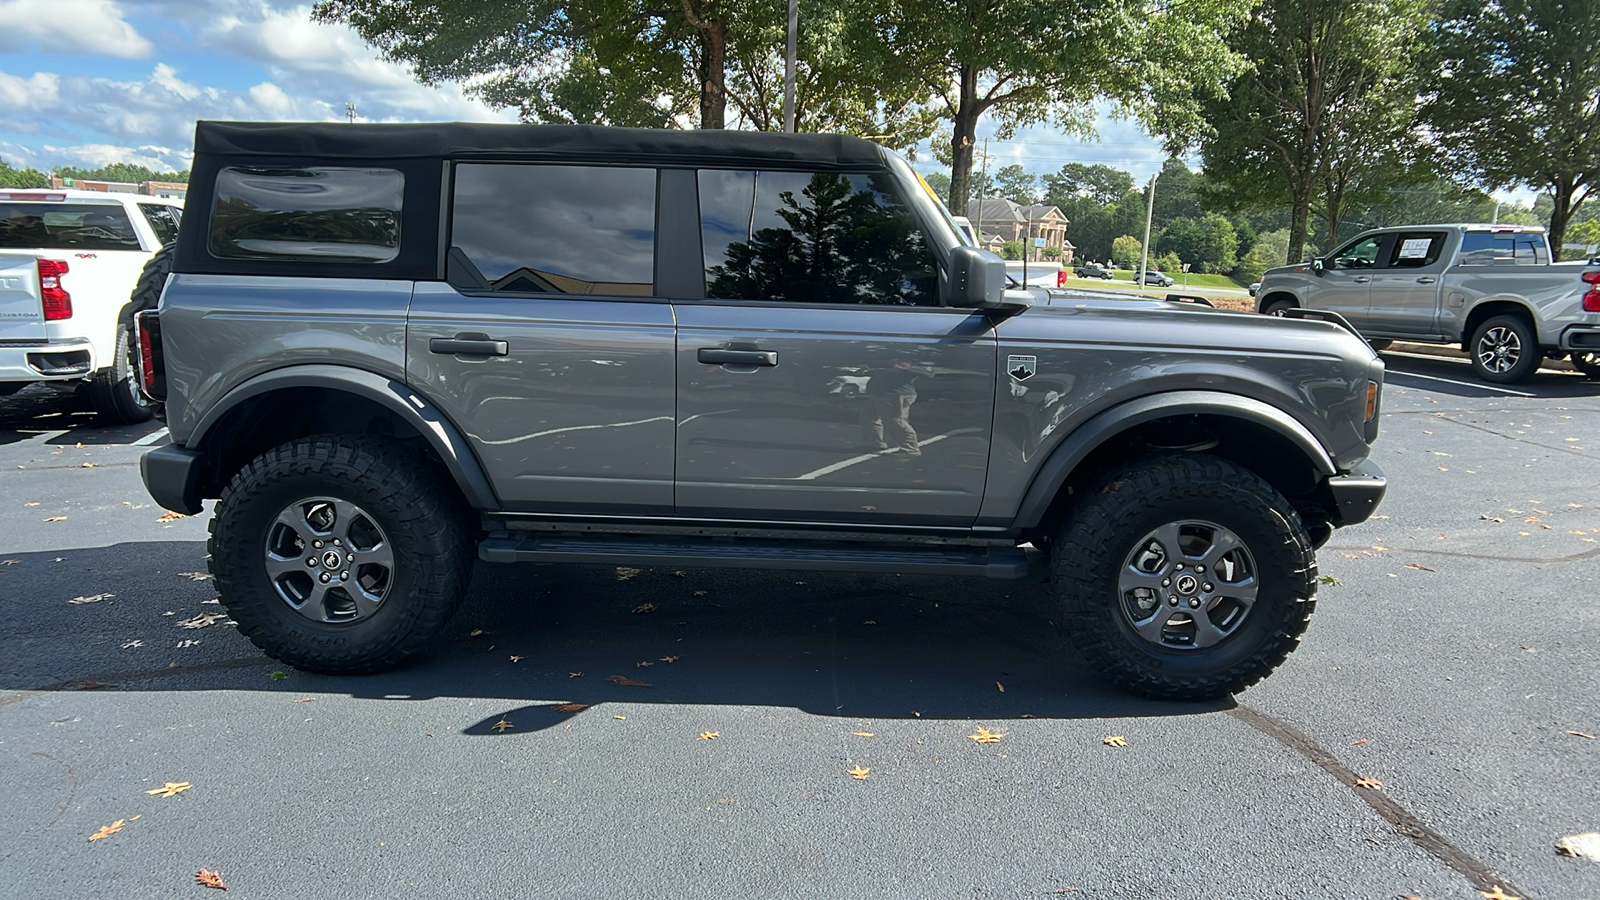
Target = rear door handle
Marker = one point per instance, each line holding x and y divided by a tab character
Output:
719	356
469	345
1361	279
1426	279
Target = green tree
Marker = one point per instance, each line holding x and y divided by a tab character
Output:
1517	97
1219	245
1017	185
1126	251
1029	61
22	178
940	182
1177	193
1270	249
1103	184
1011	250
125	172
1291	130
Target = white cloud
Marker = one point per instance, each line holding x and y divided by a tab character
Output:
93	27
92	156
42	90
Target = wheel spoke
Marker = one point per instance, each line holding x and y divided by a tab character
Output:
279	566
1133	578
1242	591
1206	634
1223	542
294	519
314	608
380	555
1150	629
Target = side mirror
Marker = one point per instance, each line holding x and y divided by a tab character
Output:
977	279
1318	265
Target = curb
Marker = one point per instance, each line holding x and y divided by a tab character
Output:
1447	351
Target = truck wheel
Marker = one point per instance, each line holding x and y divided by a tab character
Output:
1277	308
114	390
1588	363
340	553
1504	350
1379	345
1184	576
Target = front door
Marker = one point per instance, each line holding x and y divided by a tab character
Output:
1405	290
1345	286
820	380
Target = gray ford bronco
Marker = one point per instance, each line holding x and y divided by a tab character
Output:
390	350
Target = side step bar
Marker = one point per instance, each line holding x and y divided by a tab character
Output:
1005	563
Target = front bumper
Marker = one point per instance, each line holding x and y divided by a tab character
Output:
45	360
1358	492
172	476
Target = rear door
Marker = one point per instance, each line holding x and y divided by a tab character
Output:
1345	286
1404	299
547	344
819	380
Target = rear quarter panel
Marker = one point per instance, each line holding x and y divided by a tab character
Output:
1554	294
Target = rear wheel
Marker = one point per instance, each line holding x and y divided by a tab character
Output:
1504	350
1588	363
114	391
1184	576
340	553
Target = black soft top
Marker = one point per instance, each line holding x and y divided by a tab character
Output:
472	140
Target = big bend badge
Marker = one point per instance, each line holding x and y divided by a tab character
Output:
1022	367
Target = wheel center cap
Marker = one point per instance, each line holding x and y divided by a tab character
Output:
331	559
1187	584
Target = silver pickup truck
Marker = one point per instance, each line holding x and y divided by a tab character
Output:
389	351
1490	288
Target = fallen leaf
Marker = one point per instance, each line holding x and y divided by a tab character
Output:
859	773
1328	580
985	736
870	622
203	620
56	519
1580	734
92	598
643	665
306	700
1495	893
699	593
89	465
709	735
625	682
107	830
1585	845
1418	567
625	573
1358	741
574	674
188	642
1000	686
571	707
917	714
679	573
477	632
171	788
502	726
863	734
645	608
170	516
1366	782
278	676
1114	740
10	562
30	504
129	645
195	576
211	879
1491	519
85	684
669	659
620	718
518	658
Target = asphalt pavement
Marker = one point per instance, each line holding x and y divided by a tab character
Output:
1450	663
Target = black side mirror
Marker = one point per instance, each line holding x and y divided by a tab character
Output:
977	279
1318	265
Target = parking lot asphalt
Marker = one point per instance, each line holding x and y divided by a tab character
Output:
1450	660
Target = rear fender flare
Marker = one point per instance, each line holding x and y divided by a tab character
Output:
1106	425
440	433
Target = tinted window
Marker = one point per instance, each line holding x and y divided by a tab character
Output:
1360	255
1416	250
324	213
1484	248
163	221
60	226
813	238
557	229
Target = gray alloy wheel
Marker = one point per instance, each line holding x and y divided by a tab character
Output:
329	560
1188	585
1505	350
1278	308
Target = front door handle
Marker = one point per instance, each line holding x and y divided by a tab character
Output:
469	344
1361	279
1426	279
719	356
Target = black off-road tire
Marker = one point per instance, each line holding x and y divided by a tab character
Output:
113	391
414	503
1115	514
1520	363
1587	362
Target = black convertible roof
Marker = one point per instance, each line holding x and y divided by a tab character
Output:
471	140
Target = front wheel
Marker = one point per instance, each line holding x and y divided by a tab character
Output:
1505	350
1587	362
1277	308
340	553
1184	576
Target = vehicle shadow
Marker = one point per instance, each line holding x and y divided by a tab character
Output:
860	647
1454	376
37	410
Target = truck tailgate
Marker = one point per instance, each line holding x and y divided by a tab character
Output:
21	314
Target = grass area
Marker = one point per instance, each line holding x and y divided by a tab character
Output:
1195	280
1240	301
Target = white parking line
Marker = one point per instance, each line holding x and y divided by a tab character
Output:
1470	384
150	438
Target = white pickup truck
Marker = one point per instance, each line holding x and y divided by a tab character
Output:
69	260
1490	288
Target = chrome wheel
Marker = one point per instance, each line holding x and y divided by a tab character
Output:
1499	349
1188	585
328	560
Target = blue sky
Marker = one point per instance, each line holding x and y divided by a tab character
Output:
89	82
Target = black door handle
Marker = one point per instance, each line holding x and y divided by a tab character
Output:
1361	279
719	356
1426	279
469	345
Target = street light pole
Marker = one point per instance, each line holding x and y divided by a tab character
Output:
788	67
1149	212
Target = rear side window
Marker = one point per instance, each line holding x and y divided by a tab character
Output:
62	226
163	221
812	238
1486	248
557	229
312	213
1416	250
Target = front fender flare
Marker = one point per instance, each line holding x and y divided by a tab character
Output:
440	433
1107	424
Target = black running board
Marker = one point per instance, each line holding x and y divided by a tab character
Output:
1004	563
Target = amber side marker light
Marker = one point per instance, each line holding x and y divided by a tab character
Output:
1372	399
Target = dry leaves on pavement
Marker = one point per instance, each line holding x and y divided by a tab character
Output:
502	726
709	735
626	573
170	516
92	598
863	734
107	830
56	519
1496	893
1580	734
171	788
645	608
1114	740
210	878
1370	783
859	773
626	682
985	736
571	707
203	620
574	674
1581	845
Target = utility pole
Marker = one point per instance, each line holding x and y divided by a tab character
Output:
1149	212
980	199
350	112
788	67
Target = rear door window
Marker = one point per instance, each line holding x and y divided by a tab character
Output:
1486	248
66	226
331	214
557	229
163	221
1416	249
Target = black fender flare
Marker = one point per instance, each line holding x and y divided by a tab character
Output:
1107	424
440	433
